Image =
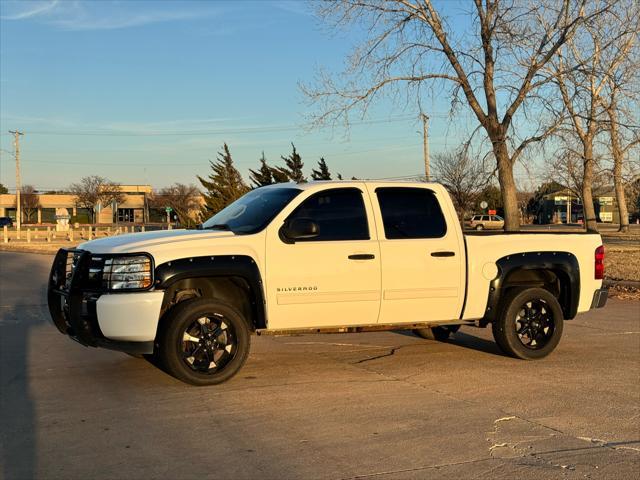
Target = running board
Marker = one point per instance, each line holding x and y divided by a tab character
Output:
357	329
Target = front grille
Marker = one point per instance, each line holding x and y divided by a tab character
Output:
70	267
80	270
96	271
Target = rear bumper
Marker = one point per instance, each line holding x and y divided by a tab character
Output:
75	311
600	298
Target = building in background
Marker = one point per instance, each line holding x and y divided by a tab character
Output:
135	208
564	206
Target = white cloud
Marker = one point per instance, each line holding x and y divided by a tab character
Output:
34	9
104	15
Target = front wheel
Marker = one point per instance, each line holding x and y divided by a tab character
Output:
529	324
479	227
204	342
437	333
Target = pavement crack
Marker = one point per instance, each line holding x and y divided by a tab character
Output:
388	354
415	469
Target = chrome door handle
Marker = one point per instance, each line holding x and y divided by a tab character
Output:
362	256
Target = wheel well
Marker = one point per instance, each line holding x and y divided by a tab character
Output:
232	290
557	282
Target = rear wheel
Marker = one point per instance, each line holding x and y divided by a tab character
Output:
479	227
204	342
529	324
437	333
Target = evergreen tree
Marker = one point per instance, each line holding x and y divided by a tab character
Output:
224	184
262	177
323	171
293	167
340	176
279	175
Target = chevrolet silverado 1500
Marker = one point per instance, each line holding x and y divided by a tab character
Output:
321	257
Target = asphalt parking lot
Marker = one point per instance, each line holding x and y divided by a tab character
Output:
376	405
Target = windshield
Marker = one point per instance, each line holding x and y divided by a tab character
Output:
253	211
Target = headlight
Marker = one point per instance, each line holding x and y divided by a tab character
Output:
127	272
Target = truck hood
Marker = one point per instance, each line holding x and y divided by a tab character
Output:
145	241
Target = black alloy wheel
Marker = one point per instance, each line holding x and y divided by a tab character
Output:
208	344
534	324
203	342
529	323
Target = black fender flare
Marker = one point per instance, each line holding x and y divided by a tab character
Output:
563	264
242	266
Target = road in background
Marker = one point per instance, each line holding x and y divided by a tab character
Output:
376	405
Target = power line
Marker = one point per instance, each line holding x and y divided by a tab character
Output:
263	129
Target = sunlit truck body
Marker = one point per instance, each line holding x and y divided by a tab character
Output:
321	257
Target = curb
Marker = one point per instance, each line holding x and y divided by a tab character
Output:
621	283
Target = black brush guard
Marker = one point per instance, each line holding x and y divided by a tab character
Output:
72	297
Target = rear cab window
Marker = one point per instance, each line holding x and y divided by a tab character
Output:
410	212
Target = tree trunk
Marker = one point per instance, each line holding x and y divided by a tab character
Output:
587	193
507	187
617	170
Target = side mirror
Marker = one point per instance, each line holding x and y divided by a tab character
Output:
301	229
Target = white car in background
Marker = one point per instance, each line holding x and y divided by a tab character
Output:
488	222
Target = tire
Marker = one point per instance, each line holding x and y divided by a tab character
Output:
479	227
529	323
439	334
203	342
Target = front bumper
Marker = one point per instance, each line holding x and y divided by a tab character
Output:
75	305
600	298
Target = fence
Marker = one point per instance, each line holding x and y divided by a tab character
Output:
47	233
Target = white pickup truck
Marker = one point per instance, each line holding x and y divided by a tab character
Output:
321	257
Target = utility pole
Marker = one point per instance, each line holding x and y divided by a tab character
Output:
16	144
425	145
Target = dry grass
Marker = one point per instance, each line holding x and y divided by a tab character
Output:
623	263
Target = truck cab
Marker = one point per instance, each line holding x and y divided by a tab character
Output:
320	257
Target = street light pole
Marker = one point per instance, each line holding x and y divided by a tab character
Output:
425	146
16	144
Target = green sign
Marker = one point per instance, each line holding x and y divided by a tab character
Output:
168	209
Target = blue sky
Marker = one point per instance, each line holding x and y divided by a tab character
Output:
165	83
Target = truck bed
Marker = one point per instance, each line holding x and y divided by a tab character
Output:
485	248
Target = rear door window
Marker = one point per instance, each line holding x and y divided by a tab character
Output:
410	213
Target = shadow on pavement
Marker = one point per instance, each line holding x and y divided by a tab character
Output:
463	339
18	315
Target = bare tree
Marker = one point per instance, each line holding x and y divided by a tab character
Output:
620	98
93	191
567	168
581	71
410	45
29	202
462	175
184	200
